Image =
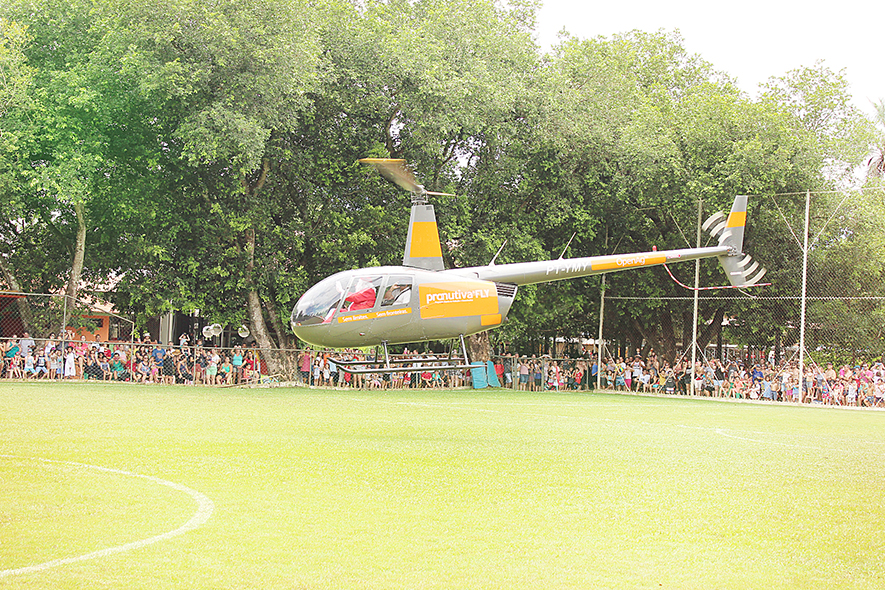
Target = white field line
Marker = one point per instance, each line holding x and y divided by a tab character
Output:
205	508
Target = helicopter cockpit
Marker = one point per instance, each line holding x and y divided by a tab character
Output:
347	292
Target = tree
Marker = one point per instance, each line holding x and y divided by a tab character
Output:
15	83
876	162
64	153
640	130
222	82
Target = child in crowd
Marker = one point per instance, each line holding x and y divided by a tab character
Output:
227	369
105	367
56	367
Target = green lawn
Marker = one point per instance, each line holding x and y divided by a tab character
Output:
415	489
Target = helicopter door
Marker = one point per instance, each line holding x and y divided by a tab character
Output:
398	291
362	294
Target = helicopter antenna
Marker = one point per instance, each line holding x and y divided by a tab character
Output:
567	245
495	257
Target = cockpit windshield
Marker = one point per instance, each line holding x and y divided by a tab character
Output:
341	292
318	304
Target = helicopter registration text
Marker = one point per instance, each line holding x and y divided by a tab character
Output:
457	299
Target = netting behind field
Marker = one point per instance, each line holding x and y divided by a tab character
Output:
842	291
58	316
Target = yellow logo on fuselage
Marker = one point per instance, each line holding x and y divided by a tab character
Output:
629	261
457	299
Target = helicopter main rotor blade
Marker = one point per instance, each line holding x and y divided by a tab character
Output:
396	171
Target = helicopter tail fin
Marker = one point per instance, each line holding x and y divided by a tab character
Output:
742	271
423	248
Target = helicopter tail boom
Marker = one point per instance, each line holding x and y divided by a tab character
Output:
729	230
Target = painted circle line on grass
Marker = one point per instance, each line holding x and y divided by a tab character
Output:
205	508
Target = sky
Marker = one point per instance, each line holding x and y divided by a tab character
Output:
752	40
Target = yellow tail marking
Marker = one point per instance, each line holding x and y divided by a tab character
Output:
425	240
737	219
628	261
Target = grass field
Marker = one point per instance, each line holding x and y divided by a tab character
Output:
294	488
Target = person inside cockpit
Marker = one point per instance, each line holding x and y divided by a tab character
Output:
397	293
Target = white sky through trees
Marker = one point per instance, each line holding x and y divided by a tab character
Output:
751	40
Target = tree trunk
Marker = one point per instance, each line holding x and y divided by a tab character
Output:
276	325
663	340
73	288
711	329
479	348
256	318
257	325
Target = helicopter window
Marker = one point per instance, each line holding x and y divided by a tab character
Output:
362	294
398	291
320	302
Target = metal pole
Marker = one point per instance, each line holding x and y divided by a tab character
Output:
64	324
694	325
802	305
599	341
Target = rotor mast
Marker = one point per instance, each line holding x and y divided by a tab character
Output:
423	249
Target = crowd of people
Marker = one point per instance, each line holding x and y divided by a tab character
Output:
536	374
320	369
144	361
859	385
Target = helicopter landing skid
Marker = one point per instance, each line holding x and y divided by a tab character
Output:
416	365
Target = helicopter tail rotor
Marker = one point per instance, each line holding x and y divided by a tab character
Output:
742	271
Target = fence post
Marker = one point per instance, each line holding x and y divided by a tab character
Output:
599	342
802	306
694	325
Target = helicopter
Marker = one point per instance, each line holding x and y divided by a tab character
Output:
421	300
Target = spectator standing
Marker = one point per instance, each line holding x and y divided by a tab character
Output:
524	374
333	373
26	343
212	368
304	365
168	365
508	371
237	364
70	363
158	354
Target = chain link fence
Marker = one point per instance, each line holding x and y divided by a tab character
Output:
814	335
